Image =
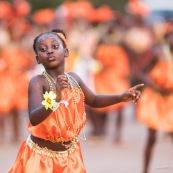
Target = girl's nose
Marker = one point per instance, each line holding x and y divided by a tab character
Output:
49	51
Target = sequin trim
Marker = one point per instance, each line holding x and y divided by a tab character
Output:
47	152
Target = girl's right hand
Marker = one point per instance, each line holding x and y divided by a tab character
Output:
62	82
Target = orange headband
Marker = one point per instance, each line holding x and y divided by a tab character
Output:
62	38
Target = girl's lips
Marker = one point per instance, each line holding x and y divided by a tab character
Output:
52	58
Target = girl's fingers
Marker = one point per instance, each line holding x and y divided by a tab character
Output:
136	87
64	85
139	85
63	81
137	93
137	96
62	78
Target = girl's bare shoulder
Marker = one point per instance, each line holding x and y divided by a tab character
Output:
37	80
74	76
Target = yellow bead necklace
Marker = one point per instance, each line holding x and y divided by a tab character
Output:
76	130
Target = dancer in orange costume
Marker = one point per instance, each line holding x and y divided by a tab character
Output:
6	105
14	77
56	111
155	108
16	62
114	69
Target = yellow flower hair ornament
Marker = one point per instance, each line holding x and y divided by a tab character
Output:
49	100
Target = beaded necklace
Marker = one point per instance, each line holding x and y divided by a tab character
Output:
49	76
76	130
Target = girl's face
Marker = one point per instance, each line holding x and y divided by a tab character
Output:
50	51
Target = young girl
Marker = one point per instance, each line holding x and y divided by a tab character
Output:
56	111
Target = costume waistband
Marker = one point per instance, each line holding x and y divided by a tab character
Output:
47	152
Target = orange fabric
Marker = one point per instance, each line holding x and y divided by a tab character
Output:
28	161
5	10
113	76
85	9
15	79
44	16
166	80
22	8
62	38
13	92
154	109
101	14
49	129
82	8
20	97
17	59
168	27
138	7
7	92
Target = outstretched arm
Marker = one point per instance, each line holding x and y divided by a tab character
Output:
103	100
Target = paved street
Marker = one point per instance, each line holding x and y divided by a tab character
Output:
104	156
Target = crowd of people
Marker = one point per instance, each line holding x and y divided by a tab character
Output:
110	51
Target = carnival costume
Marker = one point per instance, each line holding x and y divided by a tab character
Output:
154	109
63	124
113	73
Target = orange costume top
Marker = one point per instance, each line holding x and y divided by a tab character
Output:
113	75
64	124
156	110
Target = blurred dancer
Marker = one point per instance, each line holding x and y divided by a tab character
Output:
15	61
113	69
138	41
155	108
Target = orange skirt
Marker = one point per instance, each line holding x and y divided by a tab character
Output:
155	110
34	159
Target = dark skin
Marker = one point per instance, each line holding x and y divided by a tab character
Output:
51	54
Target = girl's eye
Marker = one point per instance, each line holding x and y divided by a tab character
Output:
42	49
55	46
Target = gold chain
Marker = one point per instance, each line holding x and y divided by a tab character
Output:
50	77
75	105
76	131
49	81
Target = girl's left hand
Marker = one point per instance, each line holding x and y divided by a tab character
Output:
132	94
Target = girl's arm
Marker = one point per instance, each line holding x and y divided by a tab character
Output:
103	100
37	87
37	112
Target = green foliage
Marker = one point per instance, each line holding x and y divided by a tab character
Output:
39	4
117	5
